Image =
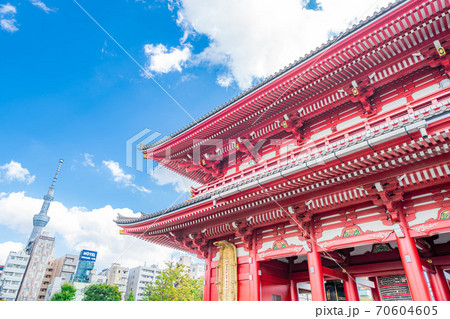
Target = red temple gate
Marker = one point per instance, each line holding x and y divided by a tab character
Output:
332	172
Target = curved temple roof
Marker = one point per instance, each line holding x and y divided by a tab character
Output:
326	45
300	163
199	200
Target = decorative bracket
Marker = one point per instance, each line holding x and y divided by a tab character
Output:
302	219
361	92
194	243
387	194
244	232
293	124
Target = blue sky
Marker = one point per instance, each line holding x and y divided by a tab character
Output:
68	91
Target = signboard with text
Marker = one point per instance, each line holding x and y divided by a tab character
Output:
88	255
394	288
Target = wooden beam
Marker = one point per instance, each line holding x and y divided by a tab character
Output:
374	268
337	274
299	276
441	261
275	279
427	266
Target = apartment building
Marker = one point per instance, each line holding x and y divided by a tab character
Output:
117	276
12	275
139	278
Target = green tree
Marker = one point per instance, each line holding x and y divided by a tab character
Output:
67	293
130	296
102	292
174	284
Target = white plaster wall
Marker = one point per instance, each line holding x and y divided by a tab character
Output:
376	225
392	105
240	252
216	258
287	148
266	245
300	259
321	134
443	238
245	165
289	240
423	216
293	241
421	195
361	250
348	123
428	90
268	155
330	234
231	171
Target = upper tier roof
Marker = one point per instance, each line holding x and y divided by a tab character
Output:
331	42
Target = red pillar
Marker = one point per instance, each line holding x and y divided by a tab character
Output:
207	287
439	285
351	290
375	291
411	263
292	283
255	284
294	291
315	270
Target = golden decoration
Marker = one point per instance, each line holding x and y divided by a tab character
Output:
226	272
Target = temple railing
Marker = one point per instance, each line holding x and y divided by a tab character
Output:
323	143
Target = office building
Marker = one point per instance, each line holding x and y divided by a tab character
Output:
41	253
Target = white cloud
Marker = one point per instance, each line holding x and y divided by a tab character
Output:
256	38
8	25
225	80
41	5
79	228
88	160
162	60
7	9
6	247
7	21
106	51
164	176
15	172
122	178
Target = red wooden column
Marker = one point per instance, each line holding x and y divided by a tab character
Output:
315	270
207	288
439	285
255	284
292	283
293	290
411	262
375	291
351	289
